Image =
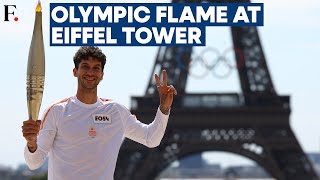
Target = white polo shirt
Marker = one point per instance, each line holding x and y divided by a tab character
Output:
83	140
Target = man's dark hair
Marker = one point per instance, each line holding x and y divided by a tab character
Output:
89	51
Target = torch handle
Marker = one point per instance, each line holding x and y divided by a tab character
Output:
35	86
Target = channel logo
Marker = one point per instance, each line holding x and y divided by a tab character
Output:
10	13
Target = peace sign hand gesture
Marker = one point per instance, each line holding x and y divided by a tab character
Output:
165	92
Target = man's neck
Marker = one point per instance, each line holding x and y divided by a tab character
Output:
87	97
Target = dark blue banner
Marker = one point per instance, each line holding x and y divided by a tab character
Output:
145	24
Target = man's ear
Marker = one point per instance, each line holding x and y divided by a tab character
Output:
102	76
75	72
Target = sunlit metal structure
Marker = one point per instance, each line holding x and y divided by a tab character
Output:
254	124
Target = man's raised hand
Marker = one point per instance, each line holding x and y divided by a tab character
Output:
165	92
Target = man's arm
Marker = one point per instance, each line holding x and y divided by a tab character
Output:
33	156
39	142
151	135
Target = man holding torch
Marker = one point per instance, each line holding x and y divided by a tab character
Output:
82	134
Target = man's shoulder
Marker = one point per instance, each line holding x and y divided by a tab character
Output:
59	104
106	101
55	108
113	103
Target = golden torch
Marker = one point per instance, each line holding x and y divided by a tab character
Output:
36	67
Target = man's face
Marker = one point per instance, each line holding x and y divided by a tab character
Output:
89	73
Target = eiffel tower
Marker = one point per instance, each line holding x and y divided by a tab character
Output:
254	124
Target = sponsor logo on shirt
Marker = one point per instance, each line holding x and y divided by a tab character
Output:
101	118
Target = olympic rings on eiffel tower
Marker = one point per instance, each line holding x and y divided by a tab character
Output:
212	60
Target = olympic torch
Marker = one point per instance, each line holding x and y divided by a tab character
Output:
36	67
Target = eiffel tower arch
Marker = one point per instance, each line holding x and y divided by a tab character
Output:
253	124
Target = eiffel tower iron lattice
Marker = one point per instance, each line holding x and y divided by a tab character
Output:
254	124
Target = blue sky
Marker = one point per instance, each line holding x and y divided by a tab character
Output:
290	38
